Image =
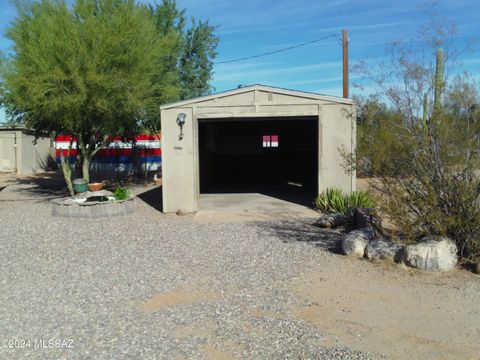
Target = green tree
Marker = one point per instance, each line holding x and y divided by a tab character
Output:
196	60
196	48
93	70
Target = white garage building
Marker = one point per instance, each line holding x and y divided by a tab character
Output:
255	138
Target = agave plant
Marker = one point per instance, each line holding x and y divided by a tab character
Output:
360	199
333	200
356	200
329	201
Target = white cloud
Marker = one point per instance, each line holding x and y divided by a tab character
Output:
231	74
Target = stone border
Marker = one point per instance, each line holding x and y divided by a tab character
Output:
93	210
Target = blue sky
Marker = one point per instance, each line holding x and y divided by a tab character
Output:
249	27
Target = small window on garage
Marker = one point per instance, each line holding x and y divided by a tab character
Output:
266	141
270	141
274	141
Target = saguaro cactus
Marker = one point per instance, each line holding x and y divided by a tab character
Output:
437	101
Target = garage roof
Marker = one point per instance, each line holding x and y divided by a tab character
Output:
239	90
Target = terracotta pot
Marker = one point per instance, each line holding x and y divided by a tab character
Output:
96	186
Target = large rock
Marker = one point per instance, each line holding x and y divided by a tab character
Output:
369	218
355	242
432	254
384	250
331	220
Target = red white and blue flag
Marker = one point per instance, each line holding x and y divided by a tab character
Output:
119	155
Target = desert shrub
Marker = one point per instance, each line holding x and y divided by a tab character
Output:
334	200
426	176
419	138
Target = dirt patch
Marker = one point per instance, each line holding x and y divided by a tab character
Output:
212	352
401	314
178	298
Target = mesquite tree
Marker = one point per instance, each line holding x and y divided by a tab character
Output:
86	71
96	69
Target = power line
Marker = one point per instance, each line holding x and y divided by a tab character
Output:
277	51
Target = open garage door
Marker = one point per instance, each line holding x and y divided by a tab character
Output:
277	157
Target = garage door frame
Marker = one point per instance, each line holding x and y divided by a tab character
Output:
197	117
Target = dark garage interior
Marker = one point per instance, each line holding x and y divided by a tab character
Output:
277	157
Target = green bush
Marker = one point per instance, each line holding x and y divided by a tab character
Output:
120	193
333	200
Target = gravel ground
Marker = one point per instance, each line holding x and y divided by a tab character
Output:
151	286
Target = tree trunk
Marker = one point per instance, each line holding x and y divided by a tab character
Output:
86	168
84	157
67	174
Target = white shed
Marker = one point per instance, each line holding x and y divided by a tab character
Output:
20	153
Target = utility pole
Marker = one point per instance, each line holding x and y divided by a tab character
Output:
345	63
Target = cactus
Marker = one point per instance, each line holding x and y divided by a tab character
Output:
437	101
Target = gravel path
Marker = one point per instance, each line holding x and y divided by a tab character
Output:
155	286
150	286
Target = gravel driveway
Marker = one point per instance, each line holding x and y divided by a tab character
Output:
155	286
149	286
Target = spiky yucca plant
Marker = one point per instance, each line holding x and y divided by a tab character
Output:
334	200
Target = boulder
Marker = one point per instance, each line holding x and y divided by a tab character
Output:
365	217
331	220
432	254
369	218
355	242
384	250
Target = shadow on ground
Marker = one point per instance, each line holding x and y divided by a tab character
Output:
293	194
49	184
152	198
52	184
305	231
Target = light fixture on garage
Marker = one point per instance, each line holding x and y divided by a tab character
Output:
180	122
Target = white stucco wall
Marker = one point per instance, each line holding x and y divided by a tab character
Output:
8	159
25	158
180	158
33	155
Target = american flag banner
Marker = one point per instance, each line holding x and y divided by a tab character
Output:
144	151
